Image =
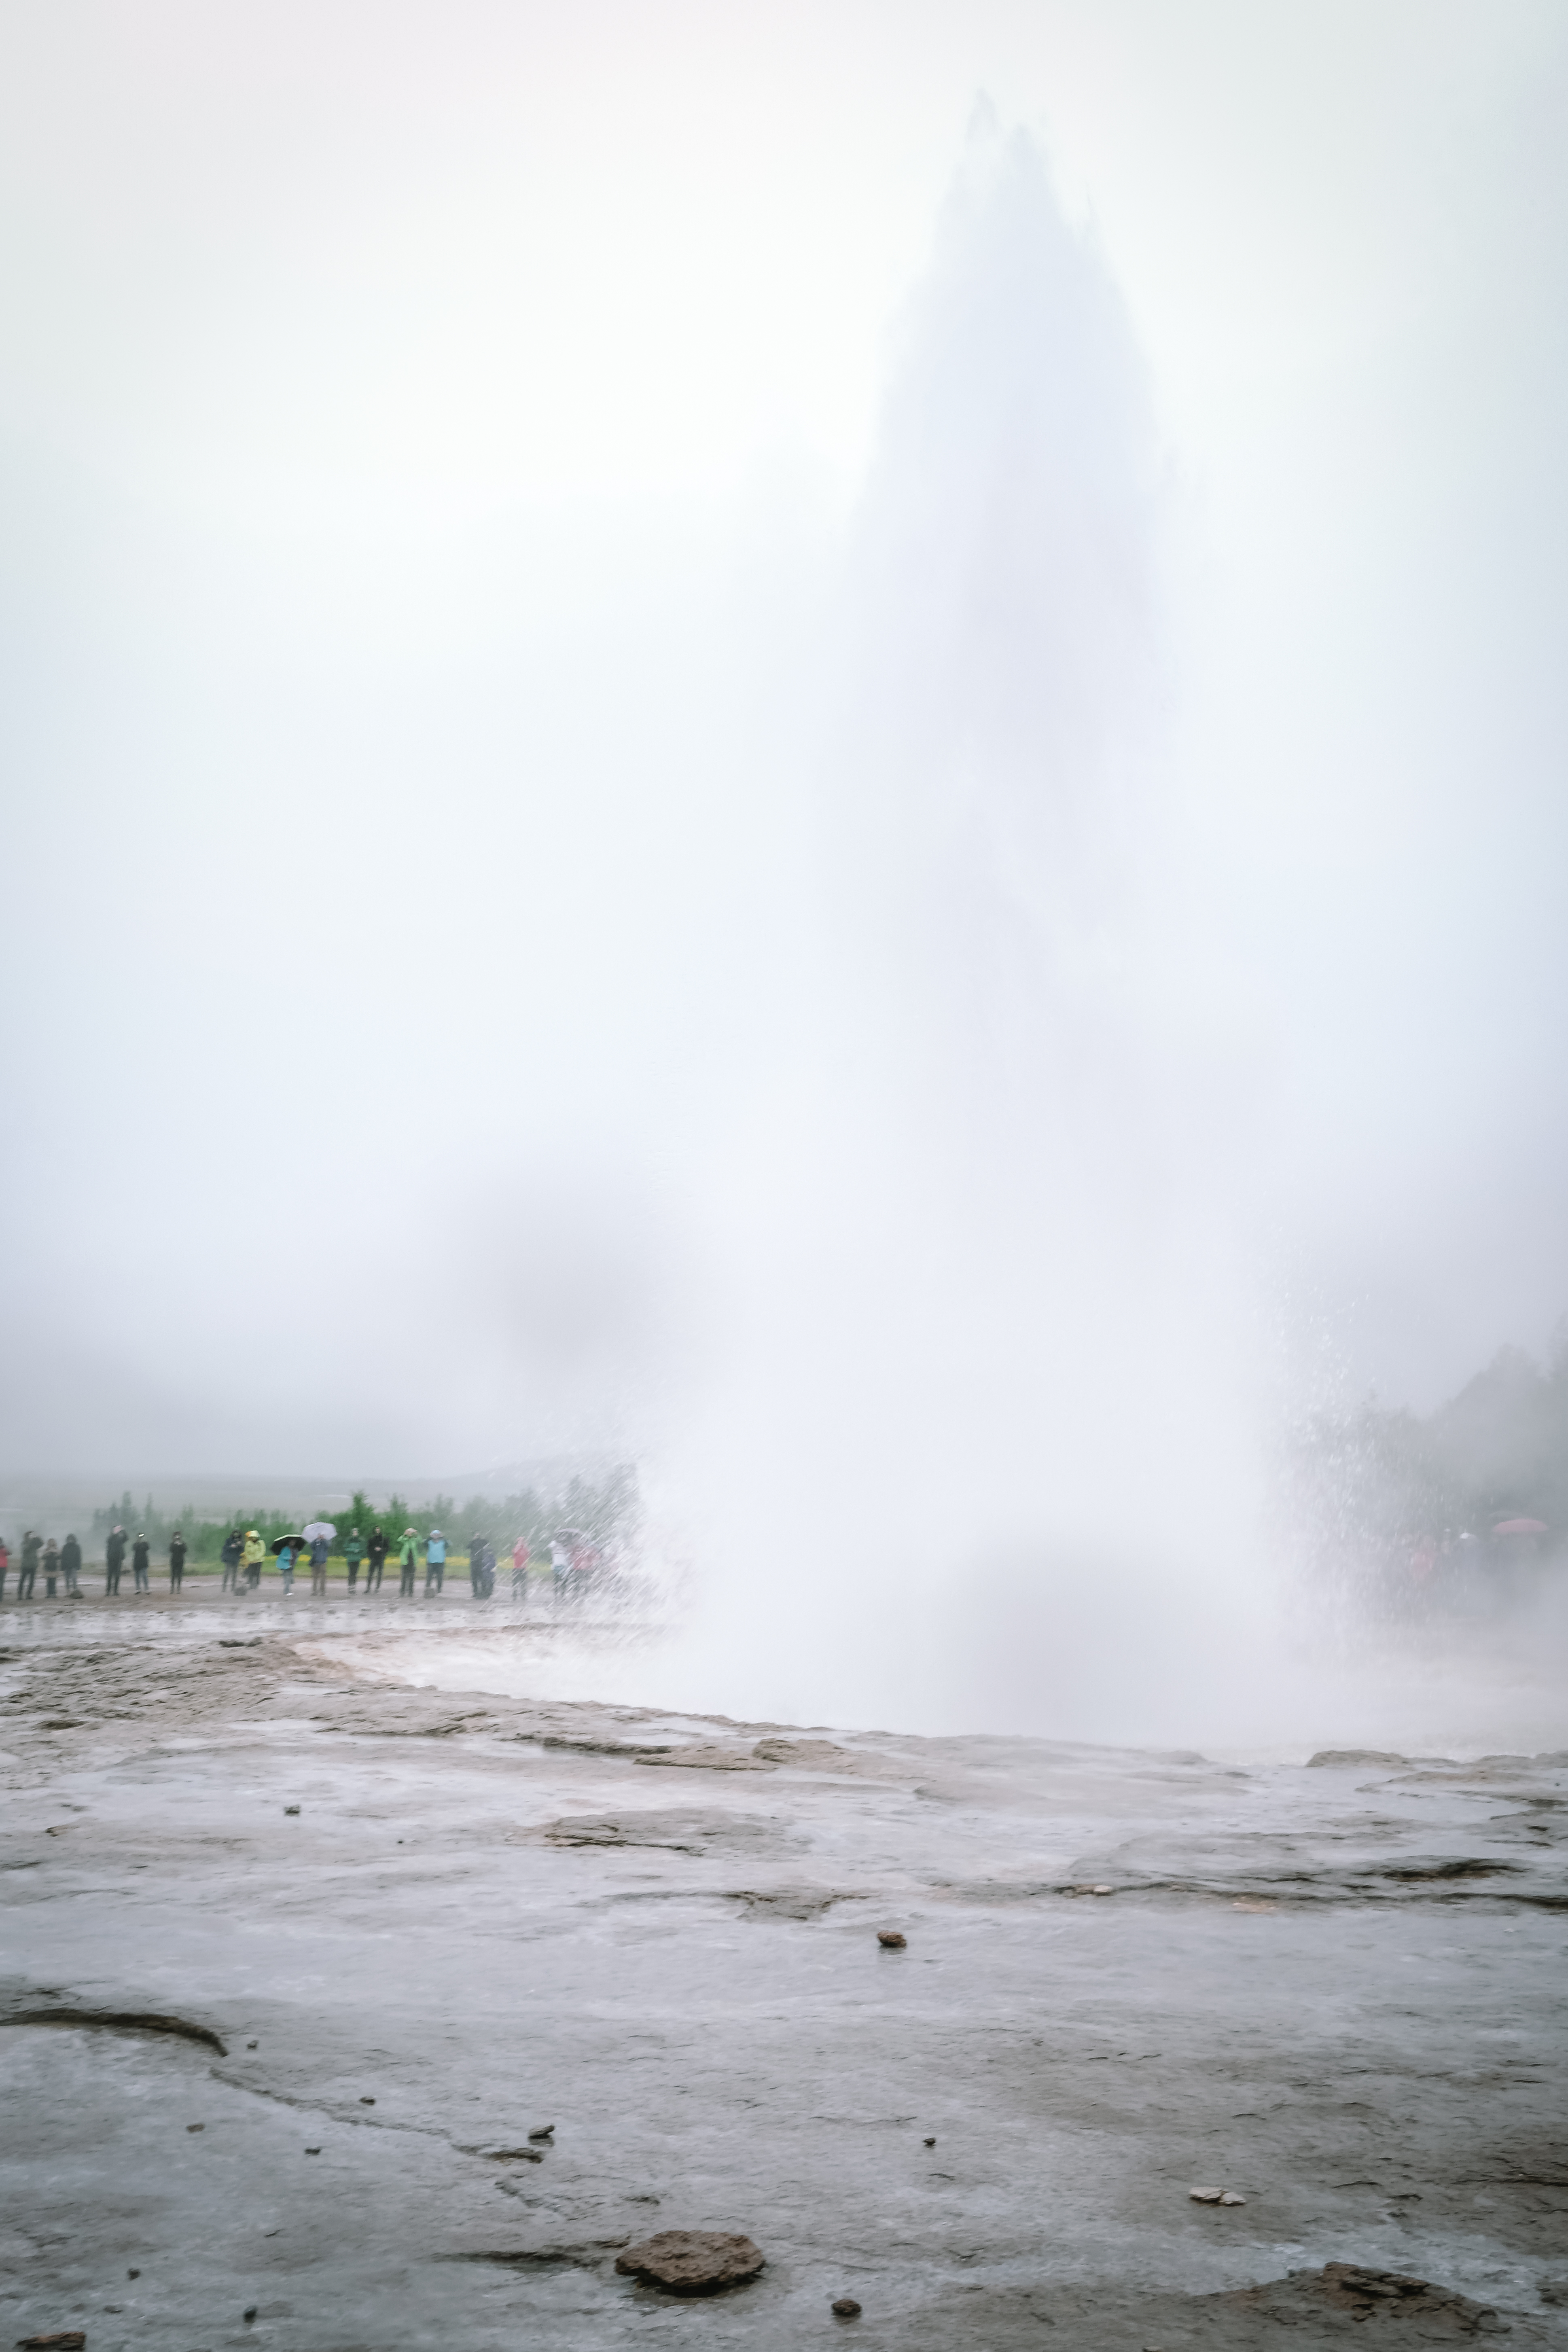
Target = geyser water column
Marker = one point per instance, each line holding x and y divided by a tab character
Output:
975	1457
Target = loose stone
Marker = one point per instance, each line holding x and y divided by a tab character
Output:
692	2262
890	1939
846	2308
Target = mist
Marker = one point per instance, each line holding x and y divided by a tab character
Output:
827	755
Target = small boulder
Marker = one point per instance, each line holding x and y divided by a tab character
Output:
1215	2197
846	2308
691	2262
64	2339
890	1941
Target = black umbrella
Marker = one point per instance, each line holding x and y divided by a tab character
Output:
291	1543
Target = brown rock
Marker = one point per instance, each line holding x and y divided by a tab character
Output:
1412	2309
846	2308
691	2262
889	1939
64	2339
706	1756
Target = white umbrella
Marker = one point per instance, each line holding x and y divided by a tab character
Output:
318	1527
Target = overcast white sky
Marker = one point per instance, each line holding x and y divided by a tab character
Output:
432	442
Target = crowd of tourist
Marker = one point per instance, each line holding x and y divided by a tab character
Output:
244	1554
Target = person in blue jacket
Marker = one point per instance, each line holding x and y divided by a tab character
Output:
435	1561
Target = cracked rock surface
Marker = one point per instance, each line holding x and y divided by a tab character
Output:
1336	1988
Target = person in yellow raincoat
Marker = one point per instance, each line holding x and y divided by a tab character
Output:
251	1557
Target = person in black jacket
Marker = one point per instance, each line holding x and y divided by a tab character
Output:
233	1545
113	1561
27	1575
176	1560
140	1555
375	1552
70	1568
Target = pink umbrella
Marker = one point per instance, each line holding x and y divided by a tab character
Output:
1520	1527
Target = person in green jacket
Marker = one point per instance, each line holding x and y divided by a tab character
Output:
408	1553
353	1552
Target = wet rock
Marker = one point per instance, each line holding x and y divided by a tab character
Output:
1215	2197
707	1756
692	2262
312	2151
511	2155
196	2127
846	2307
63	2339
805	1755
365	2102
543	2131
290	1809
787	1902
1418	2311
890	1941
1332	1756
931	2142
688	1830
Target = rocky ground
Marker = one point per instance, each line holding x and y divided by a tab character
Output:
340	2013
